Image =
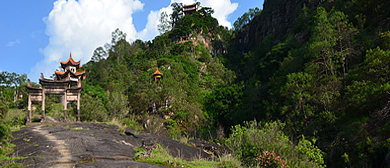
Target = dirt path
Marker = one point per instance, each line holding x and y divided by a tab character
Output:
89	145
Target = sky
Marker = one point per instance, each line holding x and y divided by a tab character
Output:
37	35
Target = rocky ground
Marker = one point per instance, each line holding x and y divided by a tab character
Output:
90	145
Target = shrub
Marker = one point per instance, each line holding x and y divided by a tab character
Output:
250	142
132	122
5	132
228	161
271	159
91	108
3	108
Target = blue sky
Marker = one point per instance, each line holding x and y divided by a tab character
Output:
37	34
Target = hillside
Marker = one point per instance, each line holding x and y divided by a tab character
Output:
320	67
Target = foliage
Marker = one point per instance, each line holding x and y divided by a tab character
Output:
91	108
246	18
271	159
163	158
165	24
251	141
117	106
131	122
228	161
3	108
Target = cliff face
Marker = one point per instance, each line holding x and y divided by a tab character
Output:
277	18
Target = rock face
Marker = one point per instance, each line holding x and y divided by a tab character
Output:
90	145
277	18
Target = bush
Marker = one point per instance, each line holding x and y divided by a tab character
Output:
131	122
5	132
250	142
91	108
227	161
271	159
3	108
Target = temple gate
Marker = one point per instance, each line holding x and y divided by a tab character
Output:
67	84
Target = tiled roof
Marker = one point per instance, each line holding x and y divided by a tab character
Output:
157	72
61	74
70	60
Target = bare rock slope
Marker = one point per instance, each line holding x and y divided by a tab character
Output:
90	145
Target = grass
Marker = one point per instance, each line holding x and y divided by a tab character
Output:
163	158
13	165
6	148
7	158
17	128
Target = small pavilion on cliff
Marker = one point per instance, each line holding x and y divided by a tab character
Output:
157	76
66	83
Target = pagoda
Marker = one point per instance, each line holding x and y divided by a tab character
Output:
157	76
70	71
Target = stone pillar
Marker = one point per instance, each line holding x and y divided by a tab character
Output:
78	107
43	118
29	109
65	106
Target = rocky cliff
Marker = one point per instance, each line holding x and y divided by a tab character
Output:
277	19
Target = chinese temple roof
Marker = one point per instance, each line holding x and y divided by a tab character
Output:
70	61
157	72
69	71
194	4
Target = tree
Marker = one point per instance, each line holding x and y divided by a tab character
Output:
98	54
117	106
91	108
246	18
165	24
344	34
13	80
177	8
298	94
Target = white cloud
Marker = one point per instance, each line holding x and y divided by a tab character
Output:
12	43
222	9
80	27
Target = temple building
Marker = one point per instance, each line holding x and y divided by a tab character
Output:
190	9
70	71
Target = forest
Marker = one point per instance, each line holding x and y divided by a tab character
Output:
299	83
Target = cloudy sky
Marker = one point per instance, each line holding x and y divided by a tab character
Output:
36	35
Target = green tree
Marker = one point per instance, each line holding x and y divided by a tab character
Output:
246	18
91	108
298	93
176	9
98	54
164	25
117	105
13	81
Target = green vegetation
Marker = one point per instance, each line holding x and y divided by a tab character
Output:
253	142
160	156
